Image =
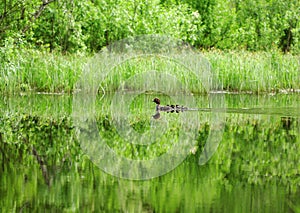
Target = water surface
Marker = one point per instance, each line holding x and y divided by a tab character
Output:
255	168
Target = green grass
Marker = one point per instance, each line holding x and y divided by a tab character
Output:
35	71
255	72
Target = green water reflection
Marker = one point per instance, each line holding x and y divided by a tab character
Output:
185	189
255	169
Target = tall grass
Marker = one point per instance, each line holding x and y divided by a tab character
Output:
230	71
255	72
152	73
35	71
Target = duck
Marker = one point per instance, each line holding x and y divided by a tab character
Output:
168	108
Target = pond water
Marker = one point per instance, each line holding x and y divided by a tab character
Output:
255	167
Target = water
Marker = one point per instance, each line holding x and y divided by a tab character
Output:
255	168
185	189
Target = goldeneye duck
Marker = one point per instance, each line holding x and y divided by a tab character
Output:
162	108
168	108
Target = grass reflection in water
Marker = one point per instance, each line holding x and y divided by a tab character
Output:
256	167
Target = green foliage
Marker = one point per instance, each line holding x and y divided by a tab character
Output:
252	25
123	19
78	26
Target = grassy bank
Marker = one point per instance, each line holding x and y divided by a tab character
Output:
256	72
35	71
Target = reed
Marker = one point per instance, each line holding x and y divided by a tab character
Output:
255	72
35	71
241	71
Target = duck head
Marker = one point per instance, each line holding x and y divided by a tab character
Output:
156	100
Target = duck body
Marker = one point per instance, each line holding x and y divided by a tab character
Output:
168	108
